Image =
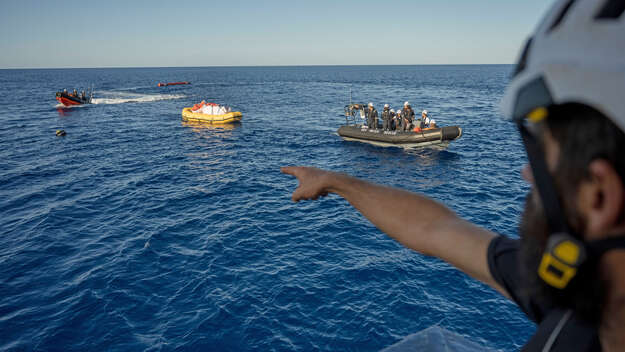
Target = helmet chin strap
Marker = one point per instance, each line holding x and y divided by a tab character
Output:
565	251
544	183
597	248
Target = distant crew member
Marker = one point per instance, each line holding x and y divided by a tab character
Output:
82	95
386	118
393	124
408	117
424	120
75	93
372	119
429	123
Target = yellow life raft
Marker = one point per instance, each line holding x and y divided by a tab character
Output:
188	115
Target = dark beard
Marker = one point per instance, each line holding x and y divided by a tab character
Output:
584	294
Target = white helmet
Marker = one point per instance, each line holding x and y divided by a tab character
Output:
392	110
370	104
425	112
386	105
406	104
577	54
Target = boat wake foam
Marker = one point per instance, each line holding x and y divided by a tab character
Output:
109	97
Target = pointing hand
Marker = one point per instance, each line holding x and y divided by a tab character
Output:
313	182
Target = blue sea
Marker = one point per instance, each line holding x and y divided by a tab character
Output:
137	231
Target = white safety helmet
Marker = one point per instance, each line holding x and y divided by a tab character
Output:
425	112
371	104
406	104
386	105
392	110
577	54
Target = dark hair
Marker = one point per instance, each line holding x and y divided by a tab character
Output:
584	134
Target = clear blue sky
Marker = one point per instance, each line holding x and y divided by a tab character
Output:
232	32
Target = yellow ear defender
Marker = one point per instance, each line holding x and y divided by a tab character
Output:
563	256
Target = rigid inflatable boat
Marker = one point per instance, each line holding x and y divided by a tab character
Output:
190	116
410	139
355	131
172	84
73	98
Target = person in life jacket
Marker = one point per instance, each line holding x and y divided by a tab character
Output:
399	119
393	123
372	117
408	117
567	270
426	121
386	118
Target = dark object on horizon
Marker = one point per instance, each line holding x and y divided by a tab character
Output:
172	84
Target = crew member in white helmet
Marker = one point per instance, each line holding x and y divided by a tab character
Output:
372	117
386	118
394	120
567	270
426	121
408	117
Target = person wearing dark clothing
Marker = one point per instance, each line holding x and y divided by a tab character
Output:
398	120
424	121
408	117
386	118
503	263
567	270
372	117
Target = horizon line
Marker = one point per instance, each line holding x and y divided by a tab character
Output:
237	66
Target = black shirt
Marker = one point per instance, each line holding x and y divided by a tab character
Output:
558	328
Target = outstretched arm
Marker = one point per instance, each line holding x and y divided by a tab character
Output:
417	222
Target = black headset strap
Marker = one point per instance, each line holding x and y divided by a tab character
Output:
599	247
544	182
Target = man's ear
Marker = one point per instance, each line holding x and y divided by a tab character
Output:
601	199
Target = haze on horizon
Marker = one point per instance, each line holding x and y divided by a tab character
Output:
48	34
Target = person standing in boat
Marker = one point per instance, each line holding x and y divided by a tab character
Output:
408	117
372	117
393	123
386	118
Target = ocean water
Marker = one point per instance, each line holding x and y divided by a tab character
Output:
137	231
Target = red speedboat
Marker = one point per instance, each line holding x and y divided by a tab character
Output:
172	84
68	99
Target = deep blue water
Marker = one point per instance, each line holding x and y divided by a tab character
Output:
139	232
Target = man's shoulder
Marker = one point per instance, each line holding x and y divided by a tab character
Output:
559	328
562	330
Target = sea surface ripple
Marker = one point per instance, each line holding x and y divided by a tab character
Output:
137	231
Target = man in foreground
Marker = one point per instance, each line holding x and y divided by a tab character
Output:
567	272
